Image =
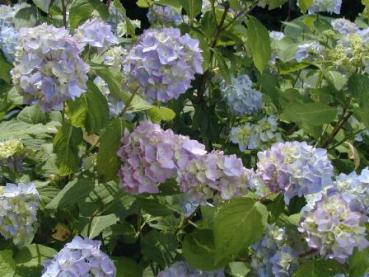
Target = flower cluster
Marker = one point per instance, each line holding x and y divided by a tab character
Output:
295	168
18	212
214	172
182	269
256	136
96	33
10	148
80	257
334	228
151	156
8	41
164	63
241	97
163	15
344	26
272	255
330	6
307	50
48	69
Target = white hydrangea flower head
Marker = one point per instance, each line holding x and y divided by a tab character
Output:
48	68
18	212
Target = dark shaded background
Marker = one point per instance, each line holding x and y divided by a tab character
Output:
273	19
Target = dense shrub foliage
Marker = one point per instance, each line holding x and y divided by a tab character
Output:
194	143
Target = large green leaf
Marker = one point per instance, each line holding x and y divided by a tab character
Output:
81	10
7	263
127	267
305	4
359	263
158	114
43	5
258	42
107	160
99	224
66	144
319	268
238	223
192	7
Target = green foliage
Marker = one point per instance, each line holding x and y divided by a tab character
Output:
81	10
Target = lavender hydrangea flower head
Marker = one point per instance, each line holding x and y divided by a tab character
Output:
182	269
295	168
256	136
164	63
241	98
18	212
344	26
272	255
48	69
96	33
214	173
308	49
334	228
151	156
80	257
8	41
163	15
329	6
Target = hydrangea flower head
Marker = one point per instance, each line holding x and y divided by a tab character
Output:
329	6
96	33
18	212
344	26
80	257
295	168
214	172
151	156
334	228
48	69
241	98
256	136
10	148
8	41
164	63
306	50
163	15
182	269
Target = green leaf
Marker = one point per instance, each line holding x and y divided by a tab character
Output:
319	268
73	193
158	114
359	263
5	68
192	7
337	79
313	114
127	267
238	224
7	264
238	269
199	250
108	162
81	10
273	4
100	223
176	4
144	3
305	4
26	17
258	42
43	5
66	143
32	115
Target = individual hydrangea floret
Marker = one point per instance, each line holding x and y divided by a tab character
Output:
306	50
272	255
96	33
241	97
164	63
48	67
182	269
8	42
80	257
329	6
217	173
344	26
152	155
18	212
163	15
333	228
258	135
295	168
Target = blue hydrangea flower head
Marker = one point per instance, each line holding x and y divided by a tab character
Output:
18	212
163	15
182	269
164	63
8	42
80	257
344	26
48	68
307	50
241	97
295	168
333	228
329	6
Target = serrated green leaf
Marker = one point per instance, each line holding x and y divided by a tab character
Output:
238	223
